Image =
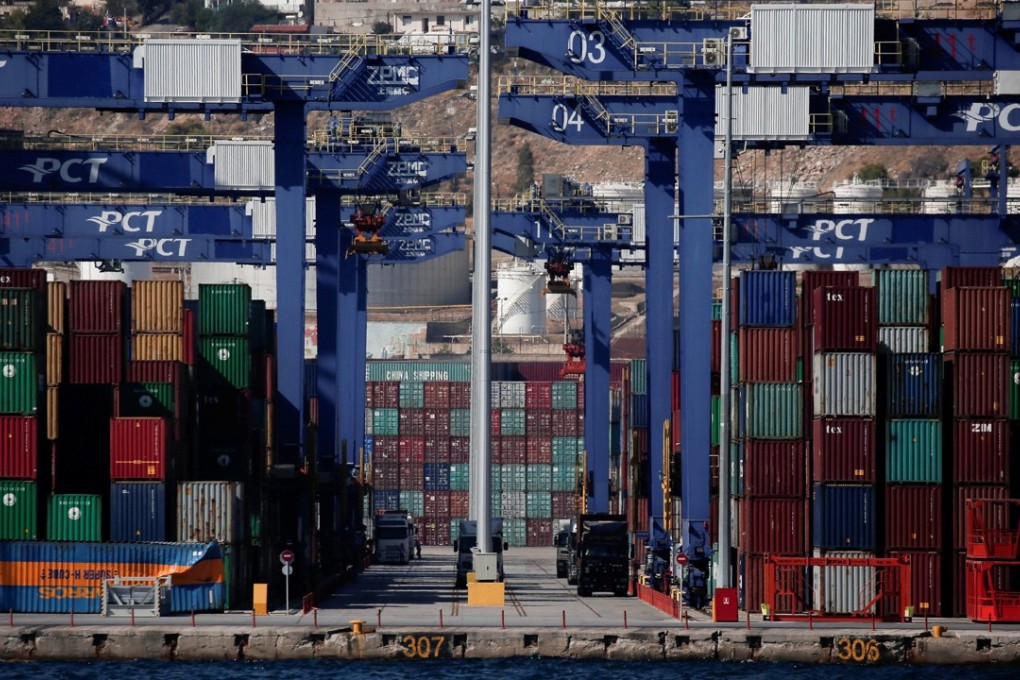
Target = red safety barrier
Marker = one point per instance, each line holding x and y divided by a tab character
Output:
661	601
993	529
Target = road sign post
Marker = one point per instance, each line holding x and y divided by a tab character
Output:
287	560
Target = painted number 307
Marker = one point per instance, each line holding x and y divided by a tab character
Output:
423	646
855	649
583	46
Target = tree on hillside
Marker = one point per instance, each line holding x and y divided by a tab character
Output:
41	15
872	171
191	13
381	28
525	169
240	16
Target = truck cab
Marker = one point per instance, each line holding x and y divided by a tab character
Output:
563	539
466	541
393	536
602	555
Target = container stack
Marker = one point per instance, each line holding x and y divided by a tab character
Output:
639	440
216	511
975	327
768	465
911	410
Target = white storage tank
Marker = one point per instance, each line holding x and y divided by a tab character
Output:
560	306
939	198
789	197
856	196
520	309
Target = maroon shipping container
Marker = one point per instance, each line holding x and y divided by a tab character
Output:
495	420
412	449
981	451
713	468
437	395
768	354
774	526
953	277
386	476
437	504
819	279
460	503
538	423
190	337
844	450
564	423
994	519
751	581
539	532
385	394
460	449
437	449
676	420
925	581
976	319
715	348
539	450
96	359
96	306
980	384
23	278
513	450
913	517
173	372
437	422
538	395
845	319
641	440
564	504
19	447
774	468
412	476
460	395
138	448
433	533
674	391
385	449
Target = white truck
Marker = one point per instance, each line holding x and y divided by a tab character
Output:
394	537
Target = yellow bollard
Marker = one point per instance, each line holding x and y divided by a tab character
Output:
260	599
938	631
356	626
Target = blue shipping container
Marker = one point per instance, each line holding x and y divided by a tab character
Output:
639	410
913	385
138	511
386	500
768	298
59	577
843	517
311	377
437	477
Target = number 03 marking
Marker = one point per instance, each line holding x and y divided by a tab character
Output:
582	45
859	650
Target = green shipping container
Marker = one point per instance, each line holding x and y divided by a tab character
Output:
145	400
386	422
513	477
460	422
223	308
913	451
1014	389
565	451
539	477
19	510
902	297
639	376
538	505
564	394
495	481
225	361
419	371
460	477
773	410
74	517
20	318
412	394
515	532
512	422
19	383
413	502
716	310
564	478
1014	287
715	434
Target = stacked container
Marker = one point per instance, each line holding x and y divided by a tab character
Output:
976	342
216	511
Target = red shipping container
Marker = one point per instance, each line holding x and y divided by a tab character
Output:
713	468
460	503
674	391
843	450
437	449
714	348
774	468
437	505
564	504
434	534
538	423
385	449
925	581
412	476
953	277
437	395
812	280
437	422
538	532
564	423
386	476
995	518
641	439
19	447
976	319
460	395
539	450
411	422
495	418
190	337
768	354
981	451
845	319
513	450
774	526
980	383
96	359
22	278
751	582
538	395
640	521
460	449
96	306
580	397
495	449
675	431
913	517
412	449
385	394
138	448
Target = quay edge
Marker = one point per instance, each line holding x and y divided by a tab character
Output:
831	645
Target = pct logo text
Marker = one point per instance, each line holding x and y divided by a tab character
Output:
162	247
135	221
72	171
832	230
1007	117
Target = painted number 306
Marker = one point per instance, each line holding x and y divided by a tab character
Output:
855	649
423	646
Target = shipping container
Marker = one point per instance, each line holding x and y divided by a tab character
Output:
975	319
157	307
902	297
925	580
844	320
565	394
422	371
913	385
148	400
52	412
411	449
774	468
775	526
19	511
1014	326
843	517
74	517
96	307
539	532
981	452
96	359
903	340
157	347
138	449
54	359
913	517
223	309
138	511
842	589
848	45
954	277
768	354
538	424
436	477
436	395
22	277
49	578
767	298
751	582
56	306
1014	389
913	451
225	361
19	383
769	411
413	501
385	422
211	511
411	394
20	318
844	450
412	422
980	383
844	384
19	447
814	279
460	422
538	395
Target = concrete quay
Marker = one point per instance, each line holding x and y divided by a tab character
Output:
413	612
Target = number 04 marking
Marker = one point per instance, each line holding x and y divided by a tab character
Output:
582	45
563	117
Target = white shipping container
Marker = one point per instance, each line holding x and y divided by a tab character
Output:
902	339
842	590
764	113
210	511
190	70
844	384
513	504
787	38
242	164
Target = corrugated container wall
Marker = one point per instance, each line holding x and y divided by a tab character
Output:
225	361
56	306
903	340
206	71
844	450
913	385
976	319
913	517
765	113
774	468
913	451
138	449
770	411
96	359
844	384
842	589
767	298
23	278
831	39
925	579
902	297
210	511
19	449
96	306
773	526
768	354
157	347
54	359
981	451
419	371
223	309
980	384
18	383
74	517
843	517
138	511
812	280
844	319
19	511
953	277
242	164
20	318
157	307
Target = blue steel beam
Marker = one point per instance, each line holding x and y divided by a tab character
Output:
597	285
414	221
567	225
394	171
149	220
329	256
24	251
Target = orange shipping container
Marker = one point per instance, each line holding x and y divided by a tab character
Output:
157	307
54	358
56	306
157	347
52	413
